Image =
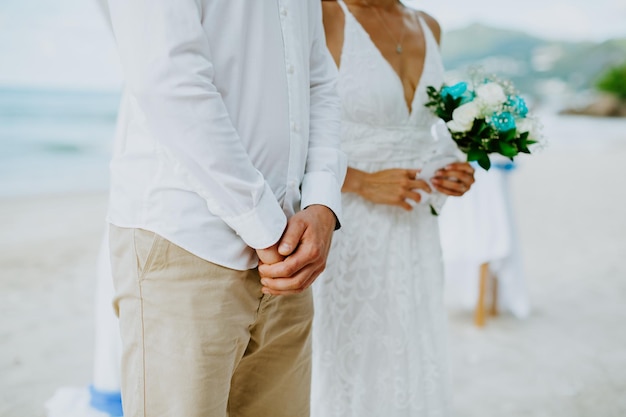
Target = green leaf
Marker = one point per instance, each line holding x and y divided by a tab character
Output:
479	155
484	162
492	145
507	149
526	145
475	154
481	128
509	135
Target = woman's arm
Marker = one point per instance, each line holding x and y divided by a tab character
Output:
334	21
391	186
433	25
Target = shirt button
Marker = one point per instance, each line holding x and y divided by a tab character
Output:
290	69
295	127
283	11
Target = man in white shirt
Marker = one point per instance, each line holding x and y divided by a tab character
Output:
227	154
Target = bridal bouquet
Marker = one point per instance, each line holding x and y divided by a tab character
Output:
485	117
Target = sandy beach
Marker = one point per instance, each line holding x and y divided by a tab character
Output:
568	359
48	251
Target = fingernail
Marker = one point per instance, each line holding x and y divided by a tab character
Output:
284	247
265	282
265	290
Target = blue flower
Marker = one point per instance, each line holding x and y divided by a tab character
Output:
518	105
503	122
456	90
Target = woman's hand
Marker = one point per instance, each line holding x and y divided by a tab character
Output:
454	179
391	186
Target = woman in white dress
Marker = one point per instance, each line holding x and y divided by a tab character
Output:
379	332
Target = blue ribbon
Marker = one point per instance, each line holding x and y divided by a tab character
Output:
504	166
109	402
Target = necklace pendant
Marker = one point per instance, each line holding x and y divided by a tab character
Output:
398	49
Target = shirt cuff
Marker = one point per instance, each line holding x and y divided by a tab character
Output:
324	189
264	225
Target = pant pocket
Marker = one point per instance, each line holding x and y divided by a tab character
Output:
146	249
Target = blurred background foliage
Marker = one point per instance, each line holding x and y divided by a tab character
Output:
549	72
613	81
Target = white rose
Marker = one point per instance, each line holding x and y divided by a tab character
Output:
491	95
463	117
530	126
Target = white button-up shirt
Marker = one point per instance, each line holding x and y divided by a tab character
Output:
229	125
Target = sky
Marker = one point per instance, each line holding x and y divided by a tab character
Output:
554	19
66	44
57	44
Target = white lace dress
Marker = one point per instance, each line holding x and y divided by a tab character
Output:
379	334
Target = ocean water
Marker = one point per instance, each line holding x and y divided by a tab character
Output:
60	141
55	141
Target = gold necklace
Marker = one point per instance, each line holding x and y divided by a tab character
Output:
389	32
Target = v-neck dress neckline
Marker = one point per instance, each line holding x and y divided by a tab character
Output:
410	106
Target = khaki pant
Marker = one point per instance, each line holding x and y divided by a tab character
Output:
201	340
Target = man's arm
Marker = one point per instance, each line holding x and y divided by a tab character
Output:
168	68
326	164
307	239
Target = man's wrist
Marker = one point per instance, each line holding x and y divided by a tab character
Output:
331	213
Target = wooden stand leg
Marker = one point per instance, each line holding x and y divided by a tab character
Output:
493	311
479	314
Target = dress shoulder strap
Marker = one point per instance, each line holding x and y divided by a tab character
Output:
343	7
428	33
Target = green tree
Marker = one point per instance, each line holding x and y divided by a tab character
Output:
614	81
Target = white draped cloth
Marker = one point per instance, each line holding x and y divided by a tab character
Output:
478	228
102	398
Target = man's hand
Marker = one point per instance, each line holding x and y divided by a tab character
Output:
305	245
270	255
